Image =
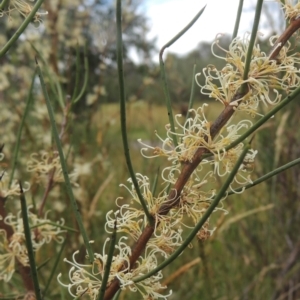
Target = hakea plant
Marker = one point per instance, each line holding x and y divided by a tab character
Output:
198	152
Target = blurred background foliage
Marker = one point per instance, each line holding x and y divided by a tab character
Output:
254	252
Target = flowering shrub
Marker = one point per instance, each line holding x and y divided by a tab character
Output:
151	226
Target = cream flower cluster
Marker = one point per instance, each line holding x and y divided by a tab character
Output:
43	164
265	79
14	189
13	248
291	10
195	134
87	279
131	221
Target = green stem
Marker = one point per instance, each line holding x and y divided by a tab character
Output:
60	96
202	221
163	72
55	266
238	19
110	255
154	185
29	246
123	111
21	29
55	225
86	76
77	74
267	176
19	134
191	101
64	166
42	265
251	44
54	82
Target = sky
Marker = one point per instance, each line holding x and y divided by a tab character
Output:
168	17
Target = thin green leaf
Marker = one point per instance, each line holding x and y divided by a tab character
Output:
54	224
77	73
44	263
86	76
64	167
154	185
238	19
53	81
19	134
251	43
267	176
107	267
55	266
163	72
29	246
123	111
191	101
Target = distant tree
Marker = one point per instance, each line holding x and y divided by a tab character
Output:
72	24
